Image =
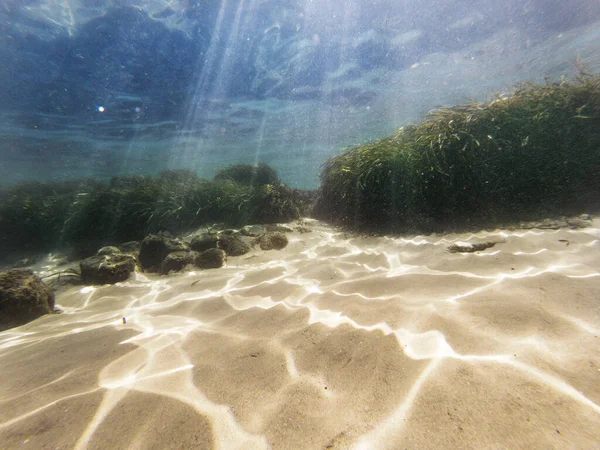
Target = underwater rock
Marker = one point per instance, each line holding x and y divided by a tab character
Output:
176	261
252	230
23	298
155	248
108	250
233	245
107	269
212	258
470	248
278	228
271	241
204	242
131	246
583	221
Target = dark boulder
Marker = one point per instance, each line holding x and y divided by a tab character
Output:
107	269
176	261
212	258
23	297
154	250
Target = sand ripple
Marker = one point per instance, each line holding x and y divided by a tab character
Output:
337	341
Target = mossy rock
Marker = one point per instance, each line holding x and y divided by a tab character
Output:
252	230
23	298
233	245
130	246
211	259
204	242
107	269
272	241
176	261
154	249
108	250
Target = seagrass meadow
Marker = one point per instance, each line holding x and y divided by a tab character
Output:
83	215
532	153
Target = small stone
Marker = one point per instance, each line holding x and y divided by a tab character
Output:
470	248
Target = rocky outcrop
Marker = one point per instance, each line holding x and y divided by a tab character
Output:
23	297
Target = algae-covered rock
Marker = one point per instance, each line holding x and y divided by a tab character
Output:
204	242
23	297
176	261
252	230
154	249
271	241
281	228
212	258
233	245
130	246
108	250
107	269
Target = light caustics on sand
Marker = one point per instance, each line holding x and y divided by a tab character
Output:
335	282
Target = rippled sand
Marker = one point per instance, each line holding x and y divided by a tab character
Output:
337	341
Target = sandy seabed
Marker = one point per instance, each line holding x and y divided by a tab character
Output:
337	341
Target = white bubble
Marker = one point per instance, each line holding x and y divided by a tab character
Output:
101	108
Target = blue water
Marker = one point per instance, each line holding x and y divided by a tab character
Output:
99	88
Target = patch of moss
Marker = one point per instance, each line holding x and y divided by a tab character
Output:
533	153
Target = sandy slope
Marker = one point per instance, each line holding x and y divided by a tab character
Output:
336	341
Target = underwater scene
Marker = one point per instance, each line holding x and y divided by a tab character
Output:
300	224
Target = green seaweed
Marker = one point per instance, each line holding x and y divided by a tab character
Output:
86	215
535	152
250	175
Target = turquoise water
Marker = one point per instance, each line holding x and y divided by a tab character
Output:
96	89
